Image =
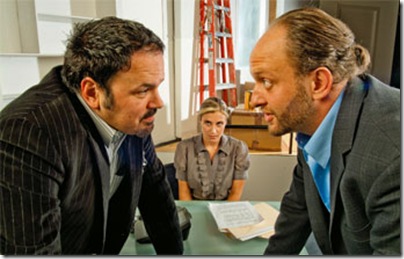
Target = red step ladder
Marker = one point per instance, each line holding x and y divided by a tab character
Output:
215	36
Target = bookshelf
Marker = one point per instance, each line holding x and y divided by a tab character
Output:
34	36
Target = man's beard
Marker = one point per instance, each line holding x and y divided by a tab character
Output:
143	132
295	116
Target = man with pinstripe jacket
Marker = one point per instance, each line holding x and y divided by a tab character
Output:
76	155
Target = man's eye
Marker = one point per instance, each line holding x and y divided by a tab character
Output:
267	83
142	92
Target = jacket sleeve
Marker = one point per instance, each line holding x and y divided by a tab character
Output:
292	226
384	211
157	206
29	184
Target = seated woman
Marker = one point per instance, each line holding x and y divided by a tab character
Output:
211	165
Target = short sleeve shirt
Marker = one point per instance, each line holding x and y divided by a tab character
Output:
211	179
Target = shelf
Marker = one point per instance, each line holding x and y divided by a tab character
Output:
62	18
36	36
37	55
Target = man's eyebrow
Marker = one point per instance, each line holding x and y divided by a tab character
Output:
256	71
148	85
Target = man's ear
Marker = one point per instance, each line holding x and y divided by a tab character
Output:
322	81
90	92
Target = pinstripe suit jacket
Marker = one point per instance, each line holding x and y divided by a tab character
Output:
365	181
54	181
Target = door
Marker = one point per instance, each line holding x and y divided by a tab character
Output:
374	25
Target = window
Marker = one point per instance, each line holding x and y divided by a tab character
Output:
250	22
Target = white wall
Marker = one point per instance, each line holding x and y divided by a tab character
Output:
186	19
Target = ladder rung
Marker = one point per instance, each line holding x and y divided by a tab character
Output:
220	60
220	7
225	86
222	86
219	34
222	34
224	60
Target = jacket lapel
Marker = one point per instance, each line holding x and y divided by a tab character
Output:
104	175
100	158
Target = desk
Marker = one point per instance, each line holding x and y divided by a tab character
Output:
204	237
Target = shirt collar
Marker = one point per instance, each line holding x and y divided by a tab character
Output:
108	134
318	146
223	145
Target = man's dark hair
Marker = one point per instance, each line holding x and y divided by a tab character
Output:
101	48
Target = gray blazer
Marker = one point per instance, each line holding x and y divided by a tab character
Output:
54	181
365	181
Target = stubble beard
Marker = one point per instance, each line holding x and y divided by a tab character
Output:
144	130
149	126
295	115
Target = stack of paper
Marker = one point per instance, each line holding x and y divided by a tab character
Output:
263	229
234	214
244	221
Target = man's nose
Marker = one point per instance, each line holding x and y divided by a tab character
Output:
258	96
156	101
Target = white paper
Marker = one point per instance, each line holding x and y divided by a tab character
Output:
234	214
263	229
257	233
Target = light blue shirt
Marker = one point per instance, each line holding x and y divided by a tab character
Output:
317	149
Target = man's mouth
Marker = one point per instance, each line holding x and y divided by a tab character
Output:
149	116
269	117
